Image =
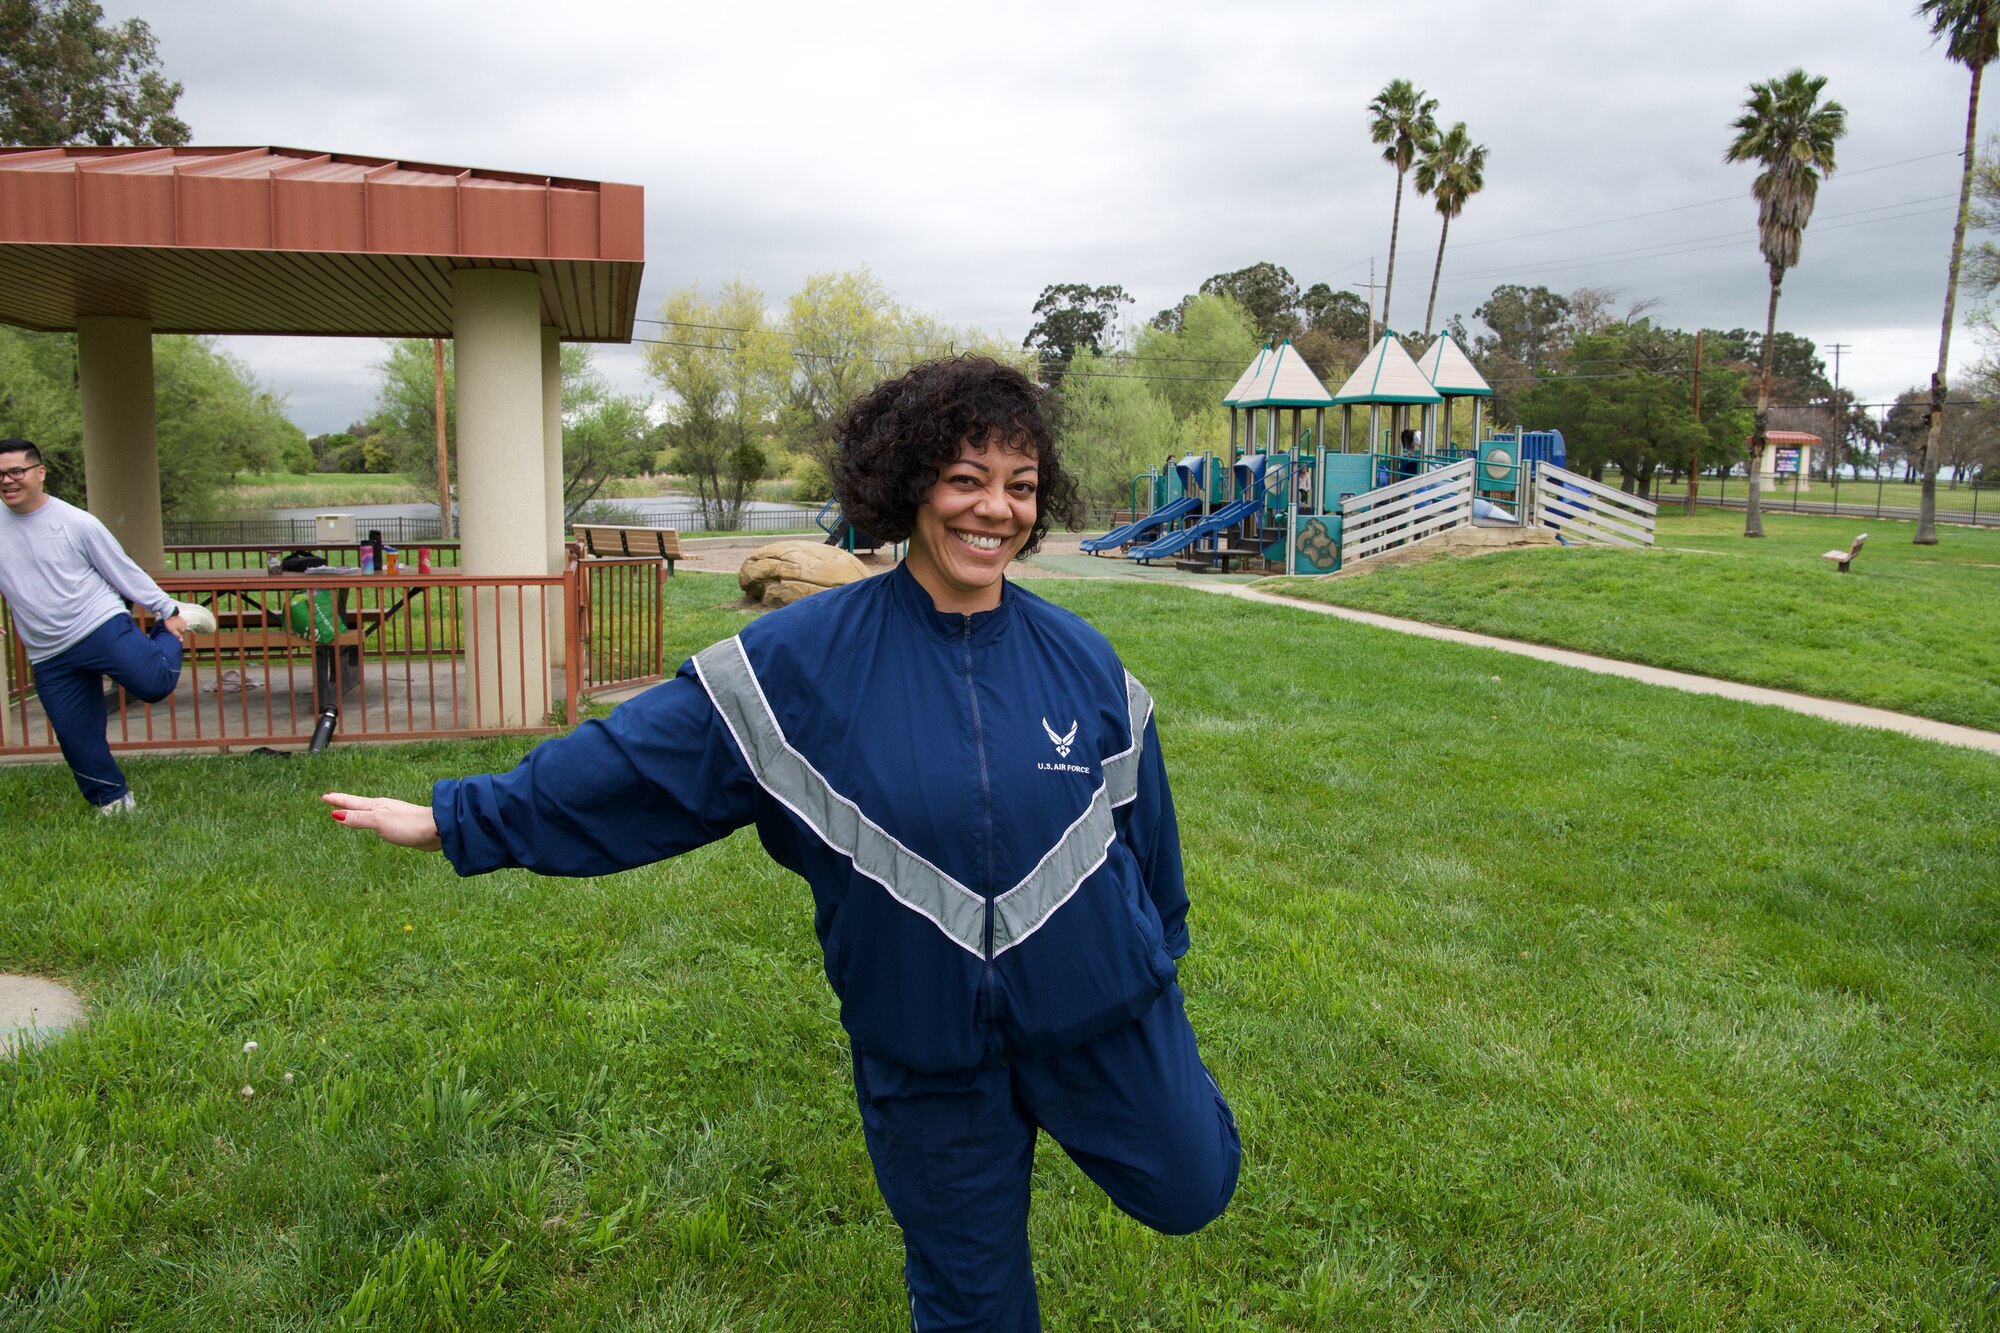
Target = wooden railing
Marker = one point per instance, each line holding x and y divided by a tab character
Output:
1406	511
1589	512
404	657
621	623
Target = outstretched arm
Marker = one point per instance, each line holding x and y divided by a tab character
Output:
659	777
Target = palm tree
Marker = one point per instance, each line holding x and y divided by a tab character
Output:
1971	33
1785	129
1451	172
1404	120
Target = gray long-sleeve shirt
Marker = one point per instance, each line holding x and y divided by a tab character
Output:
63	574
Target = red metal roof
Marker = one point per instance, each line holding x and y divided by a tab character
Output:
1786	437
284	240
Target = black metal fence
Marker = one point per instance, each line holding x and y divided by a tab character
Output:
289	531
1967	503
411	531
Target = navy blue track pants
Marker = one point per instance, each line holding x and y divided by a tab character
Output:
953	1153
71	687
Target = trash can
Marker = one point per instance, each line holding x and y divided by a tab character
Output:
333	529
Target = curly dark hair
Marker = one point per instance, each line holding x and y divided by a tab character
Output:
897	439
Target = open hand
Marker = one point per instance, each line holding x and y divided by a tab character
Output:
395	821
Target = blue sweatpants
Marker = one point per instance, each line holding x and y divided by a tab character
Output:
71	686
953	1153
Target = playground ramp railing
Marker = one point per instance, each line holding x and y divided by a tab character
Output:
1406	511
396	657
1589	512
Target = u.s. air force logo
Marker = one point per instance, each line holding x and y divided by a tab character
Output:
1063	742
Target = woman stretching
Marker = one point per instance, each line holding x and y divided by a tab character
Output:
972	785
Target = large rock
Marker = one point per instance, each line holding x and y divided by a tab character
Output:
783	572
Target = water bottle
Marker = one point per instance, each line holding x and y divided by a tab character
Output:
367	558
323	730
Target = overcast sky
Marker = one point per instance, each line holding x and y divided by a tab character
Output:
969	158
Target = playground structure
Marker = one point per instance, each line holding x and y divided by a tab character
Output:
1287	503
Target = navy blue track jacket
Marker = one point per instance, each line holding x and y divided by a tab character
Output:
978	803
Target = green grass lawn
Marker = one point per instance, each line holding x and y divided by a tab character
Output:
1545	1001
1911	628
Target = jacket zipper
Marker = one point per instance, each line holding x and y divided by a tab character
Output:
985	804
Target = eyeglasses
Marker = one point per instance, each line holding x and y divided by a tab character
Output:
16	473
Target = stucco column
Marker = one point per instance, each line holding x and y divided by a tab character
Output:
502	484
121	443
552	473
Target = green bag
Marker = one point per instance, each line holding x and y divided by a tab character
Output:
311	616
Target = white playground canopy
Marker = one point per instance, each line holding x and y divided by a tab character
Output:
1387	375
1451	371
1247	382
1280	379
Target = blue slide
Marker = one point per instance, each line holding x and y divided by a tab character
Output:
1165	514
1173	543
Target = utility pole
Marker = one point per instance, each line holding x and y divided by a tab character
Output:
1694	455
1839	416
1371	305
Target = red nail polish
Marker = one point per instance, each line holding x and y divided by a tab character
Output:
340	815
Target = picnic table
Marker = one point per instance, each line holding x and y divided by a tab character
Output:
251	618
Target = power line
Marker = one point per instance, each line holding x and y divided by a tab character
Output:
1651	213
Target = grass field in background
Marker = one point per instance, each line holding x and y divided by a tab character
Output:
284	490
1853	494
1545	1001
1911	628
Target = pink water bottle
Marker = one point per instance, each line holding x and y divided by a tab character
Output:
367	558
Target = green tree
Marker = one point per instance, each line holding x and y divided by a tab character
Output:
1268	295
1072	317
406	408
844	332
1113	428
1528	331
1403	120
38	401
1798	372
1190	368
1970	30
212	418
1785	129
1341	315
1451	171
66	76
1629	402
724	372
214	422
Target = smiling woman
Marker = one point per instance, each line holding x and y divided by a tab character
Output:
958	458
971	783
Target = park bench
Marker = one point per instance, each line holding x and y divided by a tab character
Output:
1846	558
606	541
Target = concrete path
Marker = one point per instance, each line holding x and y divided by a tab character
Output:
1832	710
33	1010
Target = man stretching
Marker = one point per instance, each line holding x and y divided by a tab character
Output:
68	582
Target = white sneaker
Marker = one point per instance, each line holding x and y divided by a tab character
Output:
200	620
123	805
